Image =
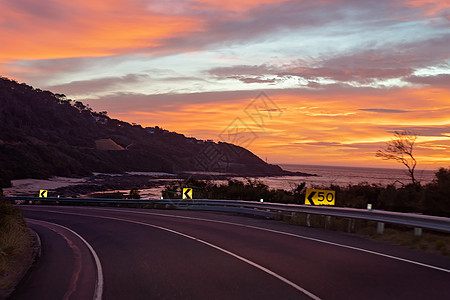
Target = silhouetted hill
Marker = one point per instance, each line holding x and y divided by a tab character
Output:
44	134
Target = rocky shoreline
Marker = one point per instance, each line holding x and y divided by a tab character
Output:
101	182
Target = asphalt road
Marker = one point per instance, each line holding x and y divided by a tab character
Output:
112	253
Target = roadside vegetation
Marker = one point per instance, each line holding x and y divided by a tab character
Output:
133	194
251	190
400	149
432	198
430	241
15	245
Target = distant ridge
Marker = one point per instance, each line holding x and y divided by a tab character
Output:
43	134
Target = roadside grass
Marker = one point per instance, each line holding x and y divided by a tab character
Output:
434	242
430	241
15	246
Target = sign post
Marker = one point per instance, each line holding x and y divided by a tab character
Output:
319	197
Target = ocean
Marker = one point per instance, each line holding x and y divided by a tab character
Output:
343	176
327	175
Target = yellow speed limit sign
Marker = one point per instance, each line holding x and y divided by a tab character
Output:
319	197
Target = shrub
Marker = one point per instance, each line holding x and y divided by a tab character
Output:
250	190
134	194
432	198
15	243
109	195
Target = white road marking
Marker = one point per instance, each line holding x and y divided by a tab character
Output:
283	233
99	283
283	279
289	234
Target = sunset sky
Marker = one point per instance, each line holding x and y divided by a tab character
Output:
312	82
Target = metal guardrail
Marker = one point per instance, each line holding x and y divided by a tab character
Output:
263	209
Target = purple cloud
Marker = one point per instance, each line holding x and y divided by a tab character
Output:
425	131
441	80
364	66
98	85
48	9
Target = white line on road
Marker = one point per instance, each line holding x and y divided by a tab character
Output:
283	279
278	232
99	283
289	234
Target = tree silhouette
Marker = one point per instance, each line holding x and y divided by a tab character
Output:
400	149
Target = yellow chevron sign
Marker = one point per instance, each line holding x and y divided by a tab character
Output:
43	193
319	197
187	193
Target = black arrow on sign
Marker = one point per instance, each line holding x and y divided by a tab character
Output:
186	194
43	193
310	198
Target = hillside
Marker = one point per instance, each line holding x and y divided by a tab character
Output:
44	134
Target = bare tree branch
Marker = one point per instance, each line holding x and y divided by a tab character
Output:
400	149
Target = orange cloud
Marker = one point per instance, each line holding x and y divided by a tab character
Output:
430	7
238	5
65	29
85	28
327	128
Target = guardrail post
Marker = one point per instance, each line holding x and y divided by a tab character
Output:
380	228
327	221
351	225
417	231
308	220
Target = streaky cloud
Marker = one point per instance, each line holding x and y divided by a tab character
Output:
98	85
441	80
384	110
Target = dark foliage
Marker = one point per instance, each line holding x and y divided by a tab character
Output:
109	195
431	199
134	194
251	190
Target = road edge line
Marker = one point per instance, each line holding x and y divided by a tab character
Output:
293	235
98	293
243	259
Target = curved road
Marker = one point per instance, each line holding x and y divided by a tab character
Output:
112	253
